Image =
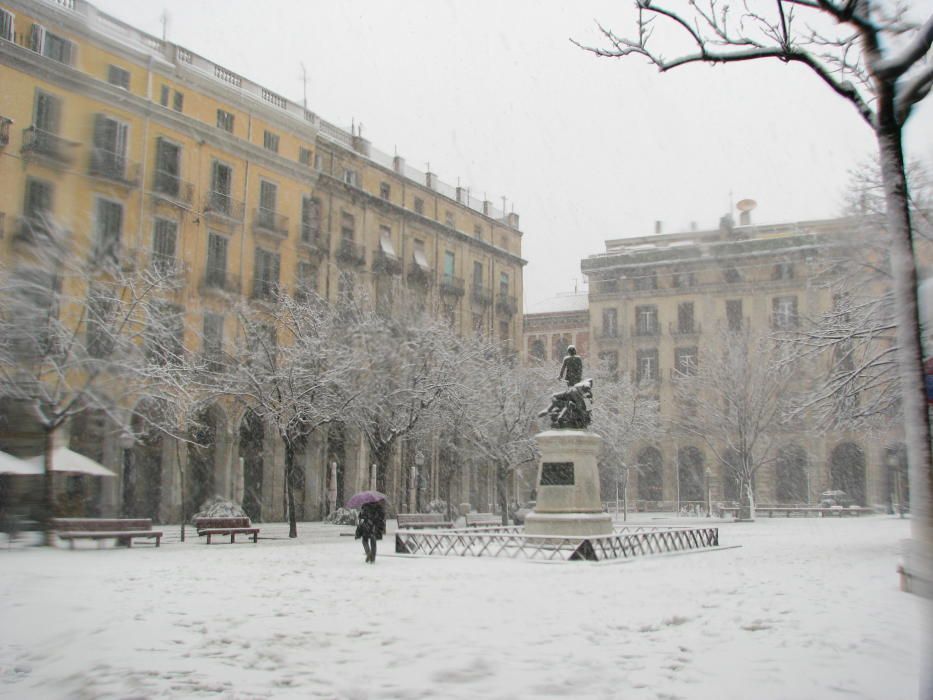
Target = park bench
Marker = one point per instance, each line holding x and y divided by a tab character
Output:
414	521
123	530
789	511
482	519
229	525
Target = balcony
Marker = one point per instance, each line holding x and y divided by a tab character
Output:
684	329
31	230
215	282
646	330
48	146
269	221
265	290
480	295
452	286
506	304
171	188
608	336
114	166
219	205
386	264
419	275
316	241
351	253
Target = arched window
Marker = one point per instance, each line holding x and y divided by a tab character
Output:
790	471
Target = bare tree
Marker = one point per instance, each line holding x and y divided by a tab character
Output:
623	416
289	368
738	403
503	400
870	54
80	333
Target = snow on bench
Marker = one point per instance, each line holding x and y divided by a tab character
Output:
482	519
123	530
409	521
232	525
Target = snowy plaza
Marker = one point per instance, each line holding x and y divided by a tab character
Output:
787	608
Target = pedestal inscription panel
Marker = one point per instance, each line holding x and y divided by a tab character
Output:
557	474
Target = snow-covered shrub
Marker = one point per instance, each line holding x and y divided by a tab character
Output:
438	505
219	507
342	516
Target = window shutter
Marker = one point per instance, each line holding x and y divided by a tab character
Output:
37	38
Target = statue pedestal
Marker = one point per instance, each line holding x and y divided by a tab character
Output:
568	501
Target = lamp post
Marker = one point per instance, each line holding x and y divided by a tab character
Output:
709	492
127	441
415	475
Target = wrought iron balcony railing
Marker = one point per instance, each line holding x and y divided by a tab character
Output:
318	241
169	186
351	252
452	285
481	295
506	304
37	142
270	221
386	264
646	330
679	329
114	166
222	205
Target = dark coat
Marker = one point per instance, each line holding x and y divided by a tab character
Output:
372	521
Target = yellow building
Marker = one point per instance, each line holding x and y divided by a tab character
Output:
656	305
144	147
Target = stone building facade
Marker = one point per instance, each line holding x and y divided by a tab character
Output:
243	189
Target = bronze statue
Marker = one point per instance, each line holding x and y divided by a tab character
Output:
571	369
571	408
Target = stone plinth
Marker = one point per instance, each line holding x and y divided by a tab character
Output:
568	502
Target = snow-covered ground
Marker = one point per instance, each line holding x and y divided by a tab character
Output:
806	608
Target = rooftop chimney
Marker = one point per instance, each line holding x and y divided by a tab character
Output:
658	226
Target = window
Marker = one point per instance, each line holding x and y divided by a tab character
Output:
167	167
99	326
119	77
310	219
164	95
731	274
108	158
610	323
842	306
216	273
646	363
266	274
221	179
349	177
646	320
681	279
306	279
504	284
268	193
504	332
449	264
477	275
6	25
347	226
304	156
685	360
178	101
318	161
783	271
51	45
449	218
734	314
385	242
47	113
163	245
109	225
37	205
384	190
270	141
224	120
646	280
213	340
784	313
419	205
685	322
478	231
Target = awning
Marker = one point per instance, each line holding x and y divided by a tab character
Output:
65	460
385	244
14	465
420	259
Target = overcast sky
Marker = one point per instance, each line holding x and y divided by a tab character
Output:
585	149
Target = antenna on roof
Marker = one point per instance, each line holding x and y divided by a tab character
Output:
304	82
164	19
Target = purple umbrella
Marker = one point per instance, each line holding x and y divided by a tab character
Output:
364	497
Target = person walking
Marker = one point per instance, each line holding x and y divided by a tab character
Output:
371	526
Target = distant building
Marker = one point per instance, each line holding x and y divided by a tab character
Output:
553	324
170	157
655	305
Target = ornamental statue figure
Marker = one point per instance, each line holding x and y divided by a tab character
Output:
571	368
571	408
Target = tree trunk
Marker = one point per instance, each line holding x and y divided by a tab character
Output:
49	486
502	486
919	554
289	481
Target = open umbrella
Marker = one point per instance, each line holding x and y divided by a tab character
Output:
65	460
364	497
14	465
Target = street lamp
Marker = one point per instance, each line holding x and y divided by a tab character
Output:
127	442
709	492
